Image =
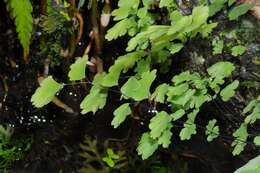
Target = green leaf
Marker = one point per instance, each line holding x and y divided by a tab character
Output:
250	106
111	154
199	99
189	126
240	139
160	92
109	161
183	99
178	114
46	92
177	90
129	3
231	2
96	99
239	10
188	130
166	3
152	33
238	50
165	138
147	146
216	6
120	114
159	123
138	89
123	63
206	29
218	46
120	29
221	69
174	48
180	24
78	69
253	111
253	166
257	140
200	15
229	91
142	66
121	13
21	11
212	131
185	77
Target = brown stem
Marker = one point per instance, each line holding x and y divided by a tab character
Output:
43	7
81	26
95	25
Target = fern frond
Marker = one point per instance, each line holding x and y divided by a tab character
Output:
21	12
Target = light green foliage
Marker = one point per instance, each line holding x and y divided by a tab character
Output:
147	146
159	123
182	27
21	11
130	18
187	93
212	131
257	140
231	2
188	130
166	3
221	69
174	48
239	10
110	158
142	66
122	64
120	29
46	92
238	50
189	126
252	111
96	99
178	114
253	166
240	136
218	46
78	69
120	114
138	89
216	6
218	72
165	138
180	24
152	44
229	91
159	93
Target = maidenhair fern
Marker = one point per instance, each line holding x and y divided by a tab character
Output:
253	166
46	92
238	50
120	114
239	10
187	92
77	70
97	93
21	11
